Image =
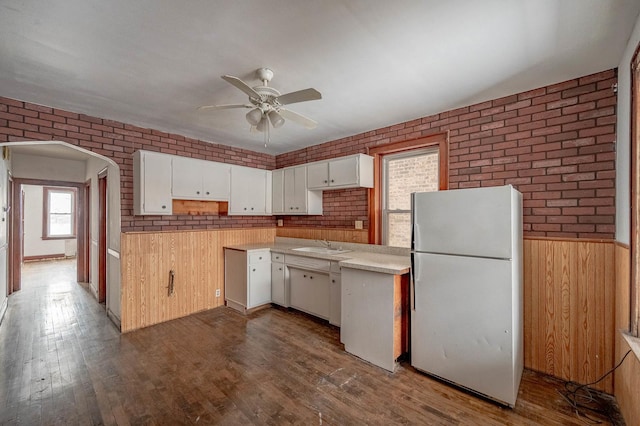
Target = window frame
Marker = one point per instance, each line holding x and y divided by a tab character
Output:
384	206
441	140
634	293
46	190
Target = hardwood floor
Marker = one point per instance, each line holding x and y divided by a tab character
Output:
63	362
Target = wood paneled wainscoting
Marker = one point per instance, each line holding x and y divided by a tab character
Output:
330	234
569	302
197	261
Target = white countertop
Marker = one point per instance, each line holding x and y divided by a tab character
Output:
358	258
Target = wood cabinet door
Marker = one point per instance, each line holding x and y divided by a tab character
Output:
343	171
157	184
186	178
215	181
318	175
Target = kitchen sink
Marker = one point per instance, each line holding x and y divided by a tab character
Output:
322	250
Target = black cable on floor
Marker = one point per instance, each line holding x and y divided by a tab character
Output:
582	399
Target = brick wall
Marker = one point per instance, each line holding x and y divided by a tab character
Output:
23	121
555	144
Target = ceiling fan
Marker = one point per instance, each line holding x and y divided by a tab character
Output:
267	104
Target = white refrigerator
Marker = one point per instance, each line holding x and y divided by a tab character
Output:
466	293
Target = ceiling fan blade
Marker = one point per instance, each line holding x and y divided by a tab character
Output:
229	106
235	81
298	118
299	96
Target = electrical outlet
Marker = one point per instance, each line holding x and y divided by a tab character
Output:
217	292
280	222
359	224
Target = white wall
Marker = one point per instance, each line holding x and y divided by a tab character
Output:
623	146
4	223
34	245
93	167
46	168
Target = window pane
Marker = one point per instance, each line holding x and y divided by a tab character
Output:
60	202
410	174
59	224
399	229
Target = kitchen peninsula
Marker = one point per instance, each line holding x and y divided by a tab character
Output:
362	288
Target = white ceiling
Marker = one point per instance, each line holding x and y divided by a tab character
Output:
151	63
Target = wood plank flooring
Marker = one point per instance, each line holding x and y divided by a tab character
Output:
63	362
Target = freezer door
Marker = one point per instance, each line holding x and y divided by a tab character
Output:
461	323
472	222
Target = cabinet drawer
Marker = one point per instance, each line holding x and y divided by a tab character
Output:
307	263
277	257
259	257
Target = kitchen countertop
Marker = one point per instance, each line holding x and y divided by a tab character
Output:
358	258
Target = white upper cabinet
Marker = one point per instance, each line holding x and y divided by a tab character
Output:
353	171
194	179
250	191
290	193
151	183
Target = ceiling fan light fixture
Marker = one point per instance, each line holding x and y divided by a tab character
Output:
254	116
276	119
262	125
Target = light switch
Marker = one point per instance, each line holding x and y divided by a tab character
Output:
358	224
280	222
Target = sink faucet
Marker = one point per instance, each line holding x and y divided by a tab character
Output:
325	243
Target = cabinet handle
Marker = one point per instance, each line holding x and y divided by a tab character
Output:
332	181
172	276
245	208
254	269
207	192
310	277
260	258
333	281
251	208
297	208
197	192
305	276
279	269
164	207
325	181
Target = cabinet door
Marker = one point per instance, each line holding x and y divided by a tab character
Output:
156	188
186	178
318	175
343	171
336	299
300	189
309	292
248	191
289	192
215	180
259	284
277	188
278	293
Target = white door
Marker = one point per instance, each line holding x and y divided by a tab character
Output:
277	182
215	181
318	175
157	183
248	191
343	171
472	222
259	284
186	178
461	322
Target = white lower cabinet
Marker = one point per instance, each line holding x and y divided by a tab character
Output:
247	278
279	277
335	278
310	292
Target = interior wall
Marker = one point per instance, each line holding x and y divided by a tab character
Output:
627	377
555	144
34	245
4	243
47	168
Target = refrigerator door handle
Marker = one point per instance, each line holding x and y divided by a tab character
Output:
412	286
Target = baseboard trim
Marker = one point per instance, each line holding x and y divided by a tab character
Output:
114	319
40	257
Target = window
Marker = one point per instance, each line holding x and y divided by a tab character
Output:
402	168
59	211
402	174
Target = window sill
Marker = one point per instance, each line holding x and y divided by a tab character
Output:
634	343
63	237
